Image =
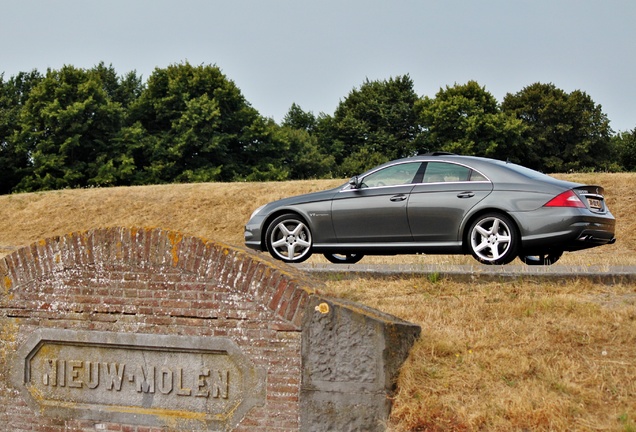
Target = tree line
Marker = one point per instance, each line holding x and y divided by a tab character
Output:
76	128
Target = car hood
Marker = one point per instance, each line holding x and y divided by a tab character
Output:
302	199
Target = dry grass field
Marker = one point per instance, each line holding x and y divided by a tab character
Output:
511	356
518	355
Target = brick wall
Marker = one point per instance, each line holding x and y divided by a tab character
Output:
154	282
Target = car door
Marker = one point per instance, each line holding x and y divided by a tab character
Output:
438	205
376	211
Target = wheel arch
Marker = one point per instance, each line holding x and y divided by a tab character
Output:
276	214
470	219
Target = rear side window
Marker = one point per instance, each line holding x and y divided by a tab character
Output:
442	172
475	176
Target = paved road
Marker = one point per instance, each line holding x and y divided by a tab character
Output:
605	274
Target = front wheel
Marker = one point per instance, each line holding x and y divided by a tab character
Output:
350	258
493	239
289	239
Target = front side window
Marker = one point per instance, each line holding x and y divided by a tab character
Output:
392	176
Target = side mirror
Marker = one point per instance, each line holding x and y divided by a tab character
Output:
354	182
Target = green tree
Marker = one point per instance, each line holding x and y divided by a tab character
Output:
263	159
121	89
199	127
374	124
67	124
14	160
625	145
564	131
296	118
303	156
466	119
328	143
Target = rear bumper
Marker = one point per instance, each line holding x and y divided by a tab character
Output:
582	234
592	238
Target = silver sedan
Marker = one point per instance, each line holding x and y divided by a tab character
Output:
437	204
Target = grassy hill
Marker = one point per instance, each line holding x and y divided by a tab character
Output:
218	211
496	356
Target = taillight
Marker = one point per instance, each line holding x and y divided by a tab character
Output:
566	199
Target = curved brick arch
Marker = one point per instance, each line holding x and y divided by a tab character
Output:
179	257
125	328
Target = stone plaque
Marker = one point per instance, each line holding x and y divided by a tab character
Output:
156	380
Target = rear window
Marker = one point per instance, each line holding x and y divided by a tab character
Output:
527	172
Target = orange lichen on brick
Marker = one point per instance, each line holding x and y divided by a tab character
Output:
175	238
84	242
118	250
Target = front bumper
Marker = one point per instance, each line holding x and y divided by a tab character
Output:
252	238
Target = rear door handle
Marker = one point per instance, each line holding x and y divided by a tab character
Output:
466	195
400	197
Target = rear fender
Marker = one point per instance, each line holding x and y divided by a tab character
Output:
463	230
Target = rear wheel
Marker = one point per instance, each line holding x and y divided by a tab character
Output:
350	258
493	239
289	239
542	259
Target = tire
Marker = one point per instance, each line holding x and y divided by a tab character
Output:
349	258
548	258
493	239
289	239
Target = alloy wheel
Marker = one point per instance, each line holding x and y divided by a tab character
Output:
289	239
493	239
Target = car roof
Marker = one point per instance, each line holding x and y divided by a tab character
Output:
471	161
496	170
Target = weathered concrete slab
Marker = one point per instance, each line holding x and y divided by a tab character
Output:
351	359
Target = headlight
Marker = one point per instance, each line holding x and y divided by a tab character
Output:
256	211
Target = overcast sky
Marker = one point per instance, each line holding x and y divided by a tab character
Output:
313	53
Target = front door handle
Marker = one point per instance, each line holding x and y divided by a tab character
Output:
466	195
400	197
